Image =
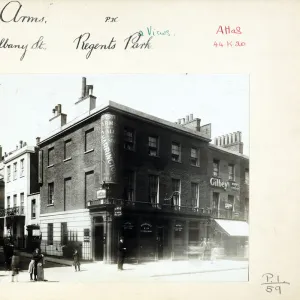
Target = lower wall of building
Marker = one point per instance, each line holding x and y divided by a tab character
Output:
65	239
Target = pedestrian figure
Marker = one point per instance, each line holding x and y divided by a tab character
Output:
122	253
76	260
31	268
40	267
213	255
15	266
36	258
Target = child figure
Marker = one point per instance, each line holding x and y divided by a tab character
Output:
76	260
31	269
15	261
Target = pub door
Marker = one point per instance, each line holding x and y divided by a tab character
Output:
99	242
160	242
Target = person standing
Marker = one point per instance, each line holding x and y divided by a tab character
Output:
36	258
15	266
40	267
76	260
122	253
31	268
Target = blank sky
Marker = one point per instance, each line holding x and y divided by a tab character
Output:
27	100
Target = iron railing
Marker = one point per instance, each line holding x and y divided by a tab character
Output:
13	211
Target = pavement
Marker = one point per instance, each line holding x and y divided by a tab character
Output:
220	270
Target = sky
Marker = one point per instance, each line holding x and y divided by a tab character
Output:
26	101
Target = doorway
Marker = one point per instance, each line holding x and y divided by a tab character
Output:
160	242
99	242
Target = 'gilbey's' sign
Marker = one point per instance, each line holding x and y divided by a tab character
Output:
218	183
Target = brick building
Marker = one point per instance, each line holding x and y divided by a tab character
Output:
113	171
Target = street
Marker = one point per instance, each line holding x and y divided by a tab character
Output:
165	271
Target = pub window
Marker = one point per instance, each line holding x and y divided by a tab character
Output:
22	167
50	193
50	234
247	176
67	149
176	191
8	173
15	200
195	157
195	194
33	209
176	151
89	140
216	164
64	233
153	145
231	172
89	186
129	139
230	203
8	202
215	204
129	188
15	171
50	157
153	189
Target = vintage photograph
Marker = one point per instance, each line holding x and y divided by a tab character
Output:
124	177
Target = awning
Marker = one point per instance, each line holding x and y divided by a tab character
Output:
234	228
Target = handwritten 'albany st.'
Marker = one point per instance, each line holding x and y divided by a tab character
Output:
134	41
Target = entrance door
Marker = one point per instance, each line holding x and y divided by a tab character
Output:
99	243
160	242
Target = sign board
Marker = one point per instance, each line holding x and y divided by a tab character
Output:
36	232
178	227
235	186
146	227
216	182
128	225
101	194
118	211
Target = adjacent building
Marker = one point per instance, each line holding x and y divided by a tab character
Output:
2	189
113	171
21	181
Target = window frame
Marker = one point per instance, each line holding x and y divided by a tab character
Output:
15	170
197	195
153	193
51	199
65	148
50	233
50	150
8	170
173	154
247	176
127	141
152	147
87	132
22	167
197	158
64	235
130	184
231	177
177	197
217	163
33	208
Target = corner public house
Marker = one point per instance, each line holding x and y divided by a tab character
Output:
114	171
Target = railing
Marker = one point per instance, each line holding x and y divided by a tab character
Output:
13	211
149	206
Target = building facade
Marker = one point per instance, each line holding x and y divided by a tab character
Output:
2	191
21	180
113	171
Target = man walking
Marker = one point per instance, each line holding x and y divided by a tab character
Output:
122	252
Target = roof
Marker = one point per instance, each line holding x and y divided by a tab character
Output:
105	105
228	151
17	153
233	227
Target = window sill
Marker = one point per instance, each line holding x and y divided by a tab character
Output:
50	204
67	159
177	161
88	151
156	156
50	166
197	166
33	218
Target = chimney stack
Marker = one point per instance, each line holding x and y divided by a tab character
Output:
187	118
183	120
38	139
191	117
21	144
179	121
83	90
58	109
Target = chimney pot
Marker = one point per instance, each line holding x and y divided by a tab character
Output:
187	118
21	144
59	109
183	120
191	117
179	121
38	139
